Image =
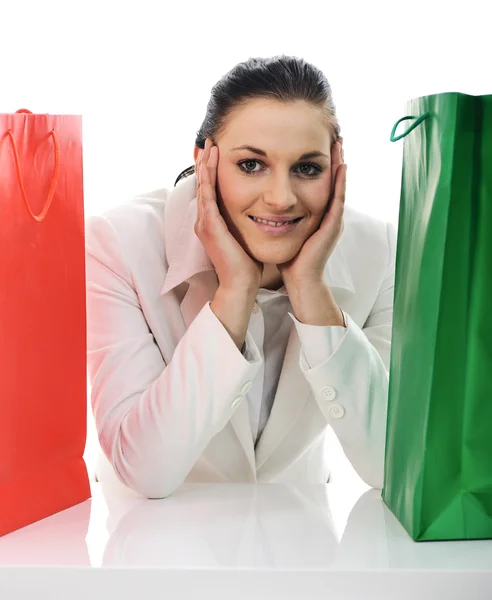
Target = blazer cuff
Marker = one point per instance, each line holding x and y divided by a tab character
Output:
354	406
352	355
249	351
318	342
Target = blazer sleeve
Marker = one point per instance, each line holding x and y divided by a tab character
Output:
153	419
318	342
351	385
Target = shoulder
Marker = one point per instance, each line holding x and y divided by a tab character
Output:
369	247
365	233
135	226
143	212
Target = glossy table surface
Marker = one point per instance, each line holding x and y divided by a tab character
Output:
237	541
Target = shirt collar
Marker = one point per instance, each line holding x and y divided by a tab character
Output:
186	255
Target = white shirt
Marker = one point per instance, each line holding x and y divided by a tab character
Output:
270	327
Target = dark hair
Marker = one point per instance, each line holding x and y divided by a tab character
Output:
283	78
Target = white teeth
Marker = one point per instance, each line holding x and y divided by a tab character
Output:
274	223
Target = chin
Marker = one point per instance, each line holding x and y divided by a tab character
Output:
270	257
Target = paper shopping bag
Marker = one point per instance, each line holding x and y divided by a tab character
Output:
438	468
43	400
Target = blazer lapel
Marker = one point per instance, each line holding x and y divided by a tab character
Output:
291	396
202	289
293	389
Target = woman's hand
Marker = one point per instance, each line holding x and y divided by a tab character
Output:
307	267
235	269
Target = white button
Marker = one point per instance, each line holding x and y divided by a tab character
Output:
237	402
256	308
246	387
329	393
337	411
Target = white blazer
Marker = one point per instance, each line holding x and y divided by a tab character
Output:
168	383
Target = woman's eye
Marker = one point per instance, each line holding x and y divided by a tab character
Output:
317	169
248	162
313	170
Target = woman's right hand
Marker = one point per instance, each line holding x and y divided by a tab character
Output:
235	269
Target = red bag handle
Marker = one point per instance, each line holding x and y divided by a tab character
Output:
54	179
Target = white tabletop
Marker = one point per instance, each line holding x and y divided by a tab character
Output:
237	541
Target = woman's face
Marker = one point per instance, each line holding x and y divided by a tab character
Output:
270	180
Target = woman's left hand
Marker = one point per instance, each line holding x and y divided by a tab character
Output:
308	266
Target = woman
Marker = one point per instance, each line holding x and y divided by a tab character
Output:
222	344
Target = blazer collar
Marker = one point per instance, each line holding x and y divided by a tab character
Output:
187	257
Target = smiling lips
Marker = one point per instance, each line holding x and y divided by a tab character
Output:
276	225
275	221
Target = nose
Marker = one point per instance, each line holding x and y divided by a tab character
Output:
279	195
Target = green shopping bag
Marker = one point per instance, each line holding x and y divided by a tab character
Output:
438	467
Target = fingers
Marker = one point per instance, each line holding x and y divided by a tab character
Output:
202	160
198	189
339	197
212	162
341	183
208	213
340	150
205	186
199	215
334	216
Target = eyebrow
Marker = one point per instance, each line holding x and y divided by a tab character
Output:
313	154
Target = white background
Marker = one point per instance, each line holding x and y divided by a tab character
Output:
140	73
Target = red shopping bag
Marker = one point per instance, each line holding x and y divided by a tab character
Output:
43	399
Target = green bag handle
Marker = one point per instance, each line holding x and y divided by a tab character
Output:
411	128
